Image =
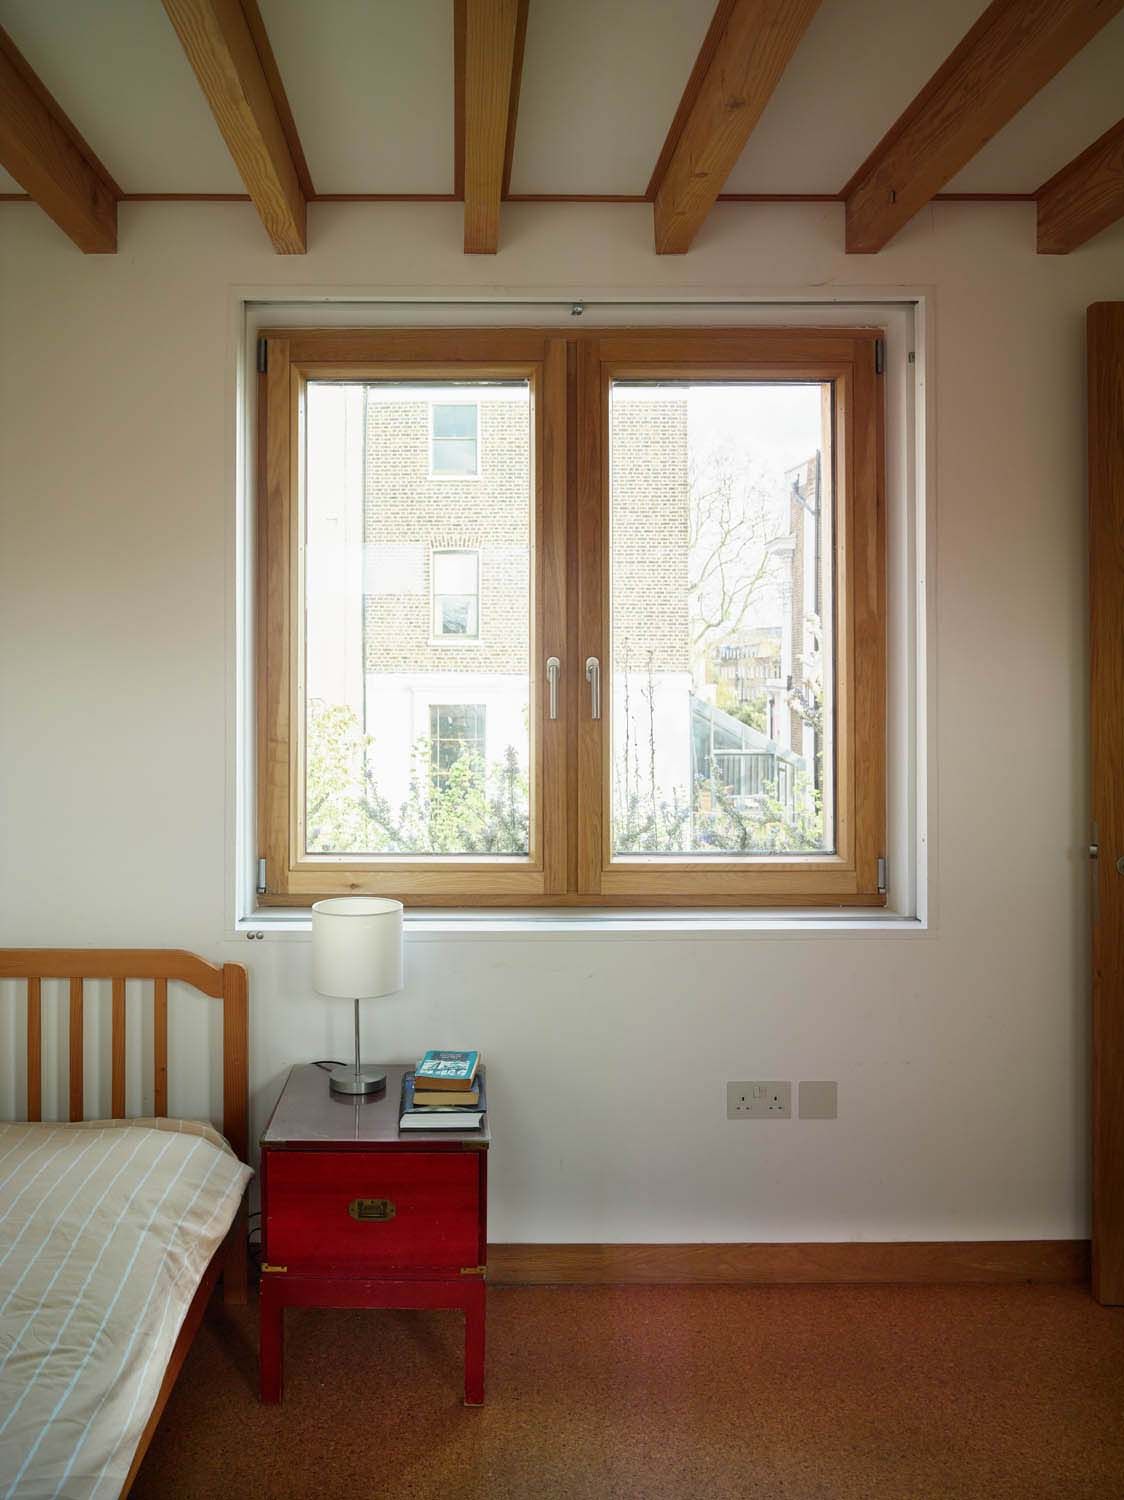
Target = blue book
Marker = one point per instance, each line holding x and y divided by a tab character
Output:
448	1070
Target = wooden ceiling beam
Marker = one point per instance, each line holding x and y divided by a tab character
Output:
219	41
51	161
746	50
1084	197
1014	48
491	44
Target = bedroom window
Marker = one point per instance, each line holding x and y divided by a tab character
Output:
682	684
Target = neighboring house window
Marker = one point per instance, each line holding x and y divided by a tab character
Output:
456	595
454	448
455	729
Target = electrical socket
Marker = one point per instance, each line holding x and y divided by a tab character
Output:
760	1100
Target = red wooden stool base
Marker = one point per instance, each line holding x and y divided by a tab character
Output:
280	1291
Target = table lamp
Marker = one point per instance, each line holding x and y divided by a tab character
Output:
356	955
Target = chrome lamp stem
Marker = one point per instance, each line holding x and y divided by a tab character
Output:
357	1079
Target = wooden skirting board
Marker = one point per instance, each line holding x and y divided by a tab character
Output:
918	1262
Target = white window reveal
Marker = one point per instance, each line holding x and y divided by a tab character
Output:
456	595
454	448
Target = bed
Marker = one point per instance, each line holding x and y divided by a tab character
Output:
113	1233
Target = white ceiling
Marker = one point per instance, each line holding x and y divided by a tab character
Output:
370	83
371	90
1074	108
602	80
117	68
857	67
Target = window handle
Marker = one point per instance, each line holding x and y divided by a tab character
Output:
553	668
593	677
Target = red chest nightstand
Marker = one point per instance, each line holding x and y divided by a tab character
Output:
355	1214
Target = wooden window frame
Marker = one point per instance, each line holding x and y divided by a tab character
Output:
293	358
847	358
569	376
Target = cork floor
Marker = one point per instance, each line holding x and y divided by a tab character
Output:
666	1393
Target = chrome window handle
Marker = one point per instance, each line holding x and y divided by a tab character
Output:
593	677
553	668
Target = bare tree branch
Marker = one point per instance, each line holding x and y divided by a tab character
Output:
734	515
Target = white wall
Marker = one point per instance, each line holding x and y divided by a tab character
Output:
961	1054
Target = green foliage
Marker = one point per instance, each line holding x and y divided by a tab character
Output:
751	712
472	809
715	821
710	819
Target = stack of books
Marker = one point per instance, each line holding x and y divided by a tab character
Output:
444	1092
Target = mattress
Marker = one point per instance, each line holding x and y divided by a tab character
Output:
106	1230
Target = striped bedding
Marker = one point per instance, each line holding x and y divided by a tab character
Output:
106	1229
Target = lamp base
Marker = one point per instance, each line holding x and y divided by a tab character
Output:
352	1080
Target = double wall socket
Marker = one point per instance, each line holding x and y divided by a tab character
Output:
761	1100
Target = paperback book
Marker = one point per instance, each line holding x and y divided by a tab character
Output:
448	1070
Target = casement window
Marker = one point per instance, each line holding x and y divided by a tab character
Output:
454	440
455	577
680	696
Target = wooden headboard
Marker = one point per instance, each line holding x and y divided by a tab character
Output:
226	983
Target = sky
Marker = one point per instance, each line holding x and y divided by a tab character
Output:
776	425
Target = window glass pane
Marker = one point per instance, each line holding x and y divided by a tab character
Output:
721	609
412	748
456	614
454	456
457	421
454	572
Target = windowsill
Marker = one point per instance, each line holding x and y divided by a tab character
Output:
295	923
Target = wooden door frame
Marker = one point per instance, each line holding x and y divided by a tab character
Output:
1105	331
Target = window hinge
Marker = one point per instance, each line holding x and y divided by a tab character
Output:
880	356
882	875
474	1270
265	1266
261	876
263	356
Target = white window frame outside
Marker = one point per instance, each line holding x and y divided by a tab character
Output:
438	474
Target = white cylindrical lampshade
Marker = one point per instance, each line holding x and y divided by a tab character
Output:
357	947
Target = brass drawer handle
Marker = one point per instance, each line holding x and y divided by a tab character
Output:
371	1210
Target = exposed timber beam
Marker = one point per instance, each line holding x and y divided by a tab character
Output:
50	160
219	40
746	50
490	41
1084	197
1014	48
